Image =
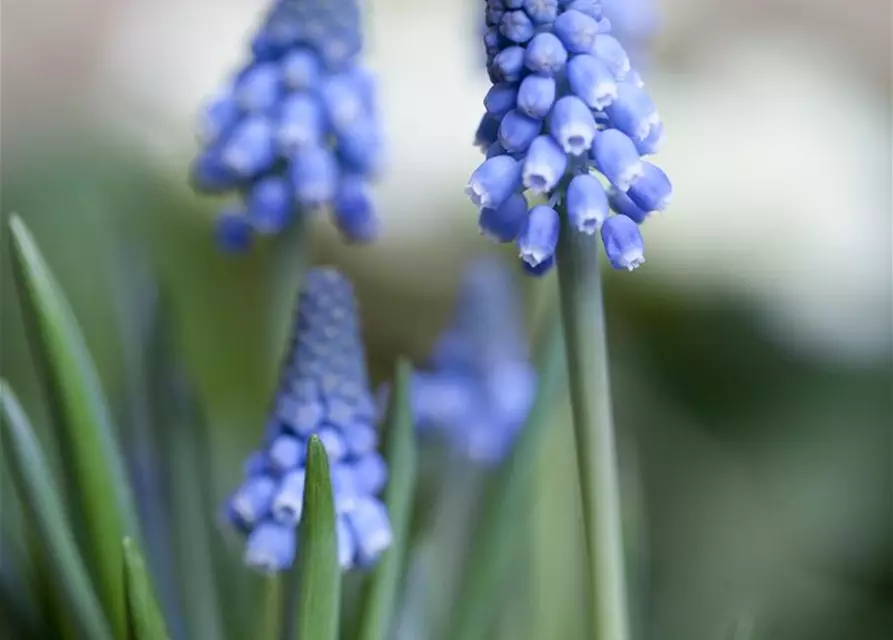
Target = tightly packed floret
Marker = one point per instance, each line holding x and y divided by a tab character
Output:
297	129
481	384
324	390
565	102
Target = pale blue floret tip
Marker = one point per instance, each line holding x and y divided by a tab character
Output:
568	119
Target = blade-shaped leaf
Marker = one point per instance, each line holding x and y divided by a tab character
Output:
315	580
30	471
93	466
381	592
144	618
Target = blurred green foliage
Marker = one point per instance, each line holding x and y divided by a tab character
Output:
756	477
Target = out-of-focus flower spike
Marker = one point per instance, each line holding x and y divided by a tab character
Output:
371	528
270	547
259	87
234	230
271	204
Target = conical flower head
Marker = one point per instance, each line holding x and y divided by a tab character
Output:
323	391
565	104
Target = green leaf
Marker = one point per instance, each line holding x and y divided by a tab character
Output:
144	618
381	591
315	579
496	544
94	469
30	471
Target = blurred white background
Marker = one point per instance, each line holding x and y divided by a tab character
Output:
778	118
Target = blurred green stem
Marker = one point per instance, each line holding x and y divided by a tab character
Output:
582	310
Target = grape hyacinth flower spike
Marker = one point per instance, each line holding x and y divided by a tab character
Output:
480	384
323	391
567	120
296	130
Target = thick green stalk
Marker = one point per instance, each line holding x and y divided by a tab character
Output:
582	310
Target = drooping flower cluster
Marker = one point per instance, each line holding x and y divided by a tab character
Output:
565	101
297	129
324	390
481	384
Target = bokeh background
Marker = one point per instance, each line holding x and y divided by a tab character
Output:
751	355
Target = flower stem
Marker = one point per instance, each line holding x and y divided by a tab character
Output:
582	311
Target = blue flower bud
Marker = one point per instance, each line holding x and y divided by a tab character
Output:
270	204
500	99
209	174
302	122
517	131
301	69
344	101
360	148
488	130
651	144
623	243
653	190
255	465
314	174
494	181
493	16
545	54
572	125
289	501
371	473
607	49
371	529
270	547
234	230
250	149
592	8
303	416
633	112
544	166
217	118
622	204
541	12
346	543
617	158
539	238
505	222
333	443
509	63
344	488
251	502
516	26
587	203
286	453
354	211
536	95
591	80
576	30
258	87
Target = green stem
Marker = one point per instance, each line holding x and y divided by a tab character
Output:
582	310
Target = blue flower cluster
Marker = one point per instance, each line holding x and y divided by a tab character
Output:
297	129
565	100
481	384
324	390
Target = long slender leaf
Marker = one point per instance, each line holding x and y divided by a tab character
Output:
381	593
144	618
495	546
93	466
44	508
315	580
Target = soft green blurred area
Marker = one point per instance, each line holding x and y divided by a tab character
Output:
757	480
